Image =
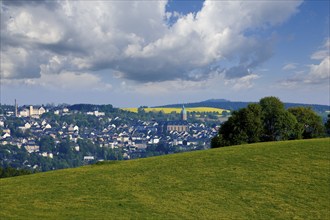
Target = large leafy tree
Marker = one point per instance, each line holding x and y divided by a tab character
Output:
278	123
47	144
266	121
310	124
327	125
244	126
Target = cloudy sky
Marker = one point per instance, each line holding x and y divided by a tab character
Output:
133	53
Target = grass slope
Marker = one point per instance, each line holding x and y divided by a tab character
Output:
282	180
177	110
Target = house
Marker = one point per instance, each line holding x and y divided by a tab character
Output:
112	144
31	147
47	126
5	135
9	113
154	140
98	114
32	112
7	130
140	144
177	126
46	154
36	124
77	148
25	127
88	158
126	156
24	113
124	138
73	128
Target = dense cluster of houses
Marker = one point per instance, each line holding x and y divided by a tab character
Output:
131	137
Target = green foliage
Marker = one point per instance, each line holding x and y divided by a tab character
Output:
89	107
281	180
327	125
47	144
217	141
11	172
310	124
268	121
244	126
13	123
11	156
278	123
65	148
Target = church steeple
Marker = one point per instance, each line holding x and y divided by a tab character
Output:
183	114
16	107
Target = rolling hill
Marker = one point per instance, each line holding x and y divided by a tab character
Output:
230	105
177	110
281	180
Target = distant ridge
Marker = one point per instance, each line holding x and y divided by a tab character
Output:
216	100
226	104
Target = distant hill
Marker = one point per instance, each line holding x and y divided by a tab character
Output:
177	110
226	104
281	180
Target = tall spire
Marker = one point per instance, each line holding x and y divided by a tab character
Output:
183	114
16	109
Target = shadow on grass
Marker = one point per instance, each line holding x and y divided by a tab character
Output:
106	162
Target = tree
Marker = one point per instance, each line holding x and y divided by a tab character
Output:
47	144
310	124
327	125
288	127
10	172
217	141
266	121
65	150
278	123
244	126
252	119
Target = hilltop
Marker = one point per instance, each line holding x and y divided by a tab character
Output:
278	180
235	105
168	110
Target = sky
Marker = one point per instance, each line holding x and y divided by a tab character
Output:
149	53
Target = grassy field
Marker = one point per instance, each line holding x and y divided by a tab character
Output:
177	110
282	180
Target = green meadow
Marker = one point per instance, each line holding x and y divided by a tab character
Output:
274	180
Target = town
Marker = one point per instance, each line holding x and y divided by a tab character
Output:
53	137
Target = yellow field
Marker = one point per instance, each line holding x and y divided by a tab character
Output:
178	110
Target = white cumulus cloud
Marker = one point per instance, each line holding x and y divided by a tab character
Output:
318	73
290	66
133	39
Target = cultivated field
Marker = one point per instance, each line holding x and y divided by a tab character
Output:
178	110
281	180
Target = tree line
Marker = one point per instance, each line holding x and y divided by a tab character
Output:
10	172
268	120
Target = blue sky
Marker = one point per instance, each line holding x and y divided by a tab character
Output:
133	53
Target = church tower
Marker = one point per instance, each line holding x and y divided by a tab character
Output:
183	114
16	107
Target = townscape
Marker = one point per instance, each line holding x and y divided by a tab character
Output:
53	137
171	109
